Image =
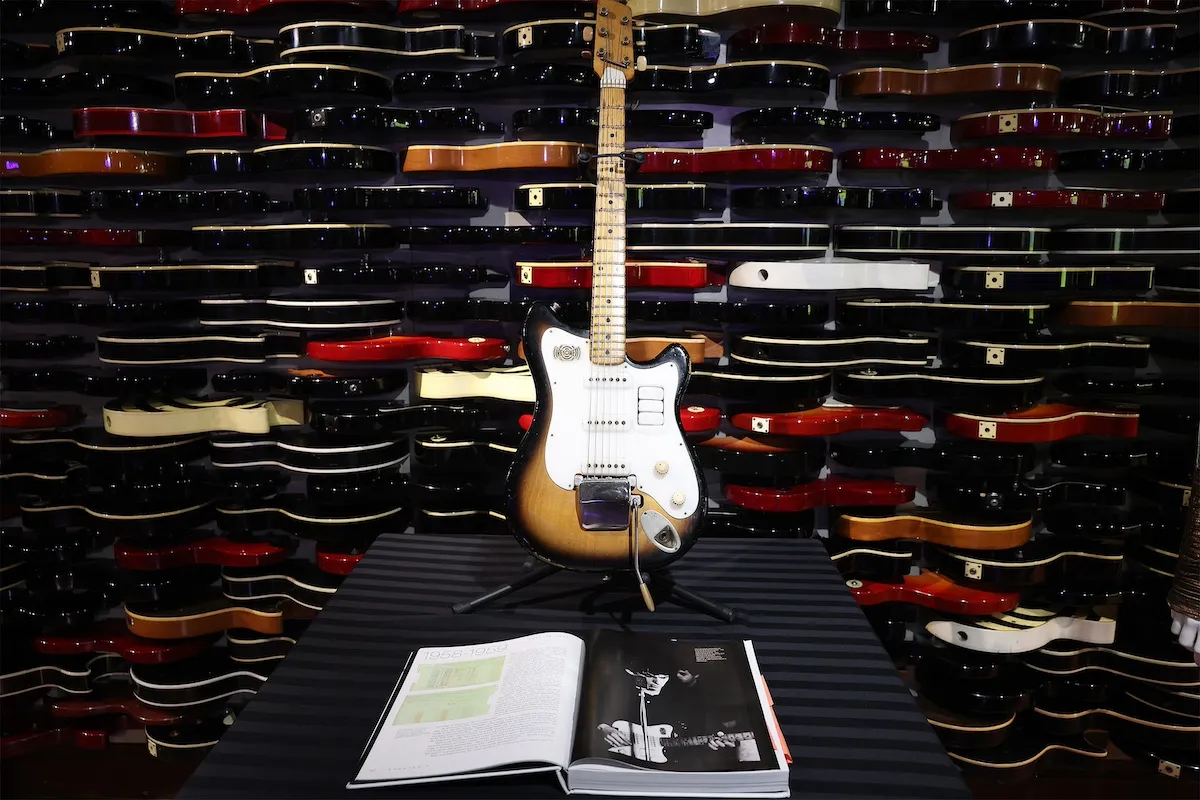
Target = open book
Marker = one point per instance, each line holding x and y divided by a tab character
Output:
618	714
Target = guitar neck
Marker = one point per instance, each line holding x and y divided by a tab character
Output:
693	741
608	246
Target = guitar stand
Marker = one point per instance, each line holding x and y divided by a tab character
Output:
535	572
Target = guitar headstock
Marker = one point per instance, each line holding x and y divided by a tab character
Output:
614	38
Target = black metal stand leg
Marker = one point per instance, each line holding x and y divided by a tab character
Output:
531	577
684	597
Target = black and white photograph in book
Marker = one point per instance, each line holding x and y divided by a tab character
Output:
679	704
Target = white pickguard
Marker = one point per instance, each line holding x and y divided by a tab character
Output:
598	422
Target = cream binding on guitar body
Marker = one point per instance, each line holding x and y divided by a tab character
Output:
605	480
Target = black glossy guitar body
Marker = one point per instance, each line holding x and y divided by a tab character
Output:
765	468
296	579
581	124
43	347
796	78
20	131
799	124
83	88
280	238
732	522
151	346
1120	160
1047	560
494	235
302	312
953	244
1035	282
43	202
49	15
84	312
346	123
104	453
994	494
305	453
327	162
217	48
464	454
851	198
738	389
22	55
667	199
109	512
521	77
311	383
382	46
282	86
925	315
211	678
1065	41
824	350
295	514
95	382
1026	353
1140	657
359	420
172	203
387	198
962	392
1177	89
572	41
1141	713
949	455
1165	242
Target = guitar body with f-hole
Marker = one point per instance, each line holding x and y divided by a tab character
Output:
604	479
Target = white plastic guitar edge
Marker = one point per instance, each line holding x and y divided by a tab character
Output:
833	274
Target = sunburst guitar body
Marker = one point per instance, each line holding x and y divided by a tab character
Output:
604	479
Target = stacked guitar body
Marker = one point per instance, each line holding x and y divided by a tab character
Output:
264	266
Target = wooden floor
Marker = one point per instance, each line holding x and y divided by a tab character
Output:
128	770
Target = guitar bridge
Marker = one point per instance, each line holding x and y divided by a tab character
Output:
603	503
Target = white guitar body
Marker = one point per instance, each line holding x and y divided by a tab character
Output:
617	420
831	275
645	745
1022	630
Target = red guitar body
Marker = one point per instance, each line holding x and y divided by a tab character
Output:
216	550
1064	123
748	158
800	41
831	491
111	636
930	590
953	159
830	421
22	744
91	237
125	706
167	124
408	348
1062	200
336	562
326	8
37	418
1048	422
638	274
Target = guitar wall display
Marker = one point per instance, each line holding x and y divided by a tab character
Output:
924	275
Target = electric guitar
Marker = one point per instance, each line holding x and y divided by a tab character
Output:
604	478
649	742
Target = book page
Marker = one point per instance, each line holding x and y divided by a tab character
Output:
478	707
672	705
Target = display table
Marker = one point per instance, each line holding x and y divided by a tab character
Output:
853	728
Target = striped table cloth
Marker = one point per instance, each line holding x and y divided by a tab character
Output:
853	728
